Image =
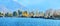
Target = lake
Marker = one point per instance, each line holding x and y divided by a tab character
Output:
28	22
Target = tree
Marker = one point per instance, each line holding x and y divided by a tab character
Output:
8	14
1	14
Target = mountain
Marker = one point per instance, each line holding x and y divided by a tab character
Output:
10	5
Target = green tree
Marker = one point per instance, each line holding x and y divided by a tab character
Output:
1	14
8	14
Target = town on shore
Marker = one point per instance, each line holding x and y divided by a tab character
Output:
50	13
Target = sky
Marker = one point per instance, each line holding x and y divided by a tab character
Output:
31	5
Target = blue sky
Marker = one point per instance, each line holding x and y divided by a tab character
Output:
40	5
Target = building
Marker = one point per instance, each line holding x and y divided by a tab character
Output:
57	13
25	14
49	13
39	14
15	13
31	14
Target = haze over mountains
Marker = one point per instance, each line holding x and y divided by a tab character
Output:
9	5
42	5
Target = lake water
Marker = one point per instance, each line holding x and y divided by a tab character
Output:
28	22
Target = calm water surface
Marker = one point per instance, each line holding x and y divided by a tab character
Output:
28	22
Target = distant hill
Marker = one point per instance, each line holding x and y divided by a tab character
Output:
10	5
